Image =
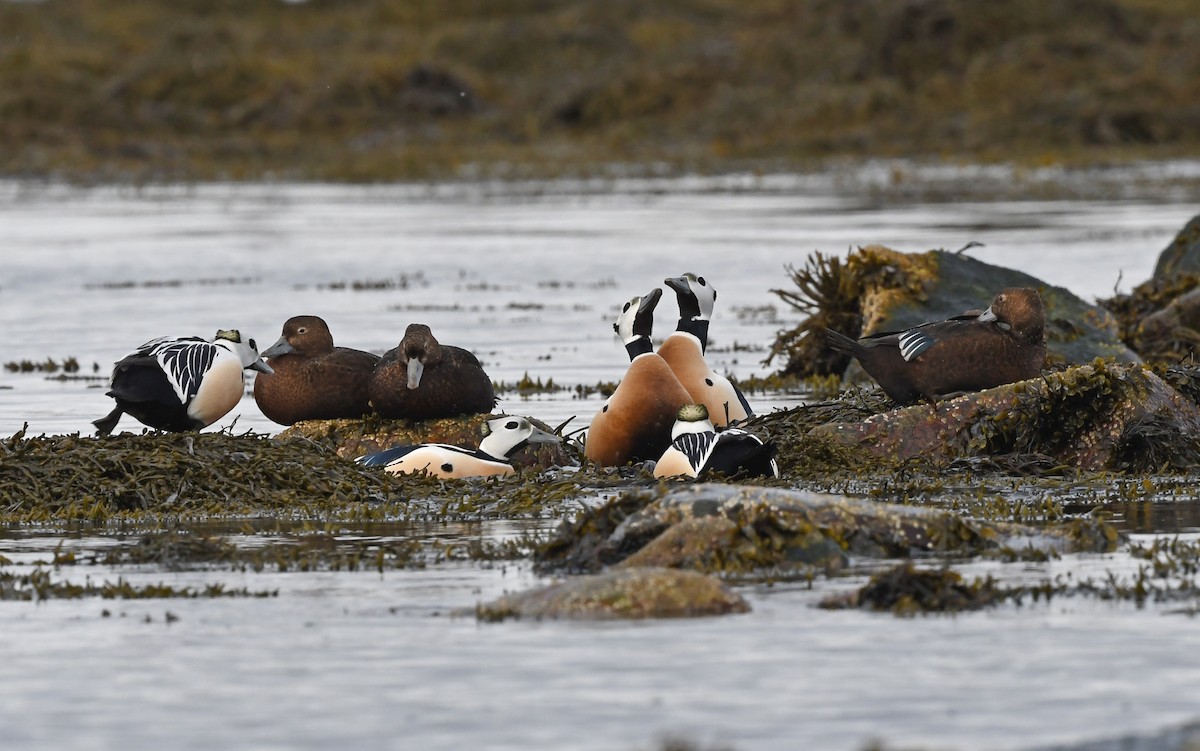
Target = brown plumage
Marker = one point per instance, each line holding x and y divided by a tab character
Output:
313	379
1004	344
635	422
423	379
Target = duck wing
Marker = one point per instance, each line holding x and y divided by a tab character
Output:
915	341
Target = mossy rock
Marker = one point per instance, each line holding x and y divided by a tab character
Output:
630	593
1101	416
354	438
739	531
879	289
1182	256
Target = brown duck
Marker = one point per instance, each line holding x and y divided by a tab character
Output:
423	379
313	380
1003	344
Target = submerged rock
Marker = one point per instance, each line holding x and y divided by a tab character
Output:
354	438
621	594
1102	416
879	289
739	530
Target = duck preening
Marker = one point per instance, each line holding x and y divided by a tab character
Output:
1004	344
313	379
698	448
502	437
423	379
181	383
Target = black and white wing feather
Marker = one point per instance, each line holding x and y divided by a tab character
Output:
184	361
697	447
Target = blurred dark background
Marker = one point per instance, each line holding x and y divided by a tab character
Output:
420	89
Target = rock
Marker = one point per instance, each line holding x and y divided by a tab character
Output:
631	593
1182	256
354	438
1102	416
772	532
878	289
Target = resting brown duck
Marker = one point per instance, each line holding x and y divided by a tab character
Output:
1003	344
313	379
423	379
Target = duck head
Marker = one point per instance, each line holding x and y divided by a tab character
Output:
1018	310
504	435
421	350
246	350
636	321
302	335
696	296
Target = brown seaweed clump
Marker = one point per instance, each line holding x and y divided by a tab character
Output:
1160	318
73	478
907	590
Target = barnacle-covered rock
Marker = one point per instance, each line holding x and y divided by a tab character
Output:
632	593
1100	416
354	438
879	289
736	530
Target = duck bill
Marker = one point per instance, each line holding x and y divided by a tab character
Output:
415	369
261	367
540	436
679	284
280	347
987	316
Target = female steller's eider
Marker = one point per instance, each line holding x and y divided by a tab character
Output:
423	379
634	424
1004	344
684	352
501	438
698	448
313	380
181	383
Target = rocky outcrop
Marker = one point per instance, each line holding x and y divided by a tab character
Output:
765	533
1182	256
879	289
1101	416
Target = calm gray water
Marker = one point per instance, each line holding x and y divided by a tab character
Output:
530	277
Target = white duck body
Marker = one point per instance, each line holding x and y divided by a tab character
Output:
502	437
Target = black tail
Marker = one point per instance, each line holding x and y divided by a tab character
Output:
105	425
741	456
843	343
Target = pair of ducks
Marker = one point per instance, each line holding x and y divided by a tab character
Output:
670	403
188	383
420	379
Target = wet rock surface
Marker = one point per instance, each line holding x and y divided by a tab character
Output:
632	593
1101	416
1182	256
737	531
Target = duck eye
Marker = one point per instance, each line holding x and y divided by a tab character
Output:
512	424
302	330
703	283
253	346
626	308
